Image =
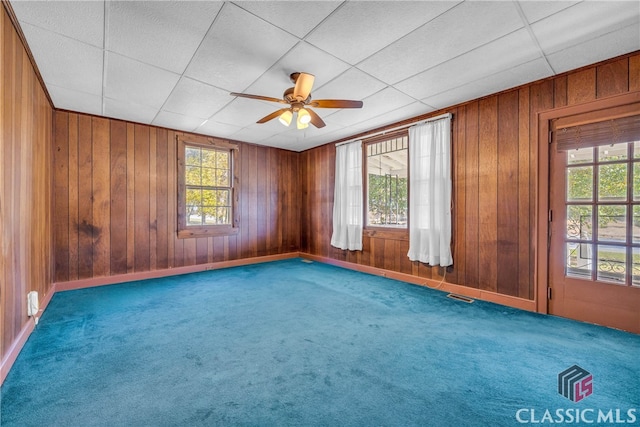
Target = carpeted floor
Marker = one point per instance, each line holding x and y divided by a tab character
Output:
293	343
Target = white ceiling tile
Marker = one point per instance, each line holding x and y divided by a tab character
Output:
66	62
171	120
161	33
352	84
382	102
221	130
584	21
196	99
619	42
521	74
231	57
403	113
68	99
80	20
124	110
459	30
137	82
302	58
244	112
508	51
296	17
537	10
360	28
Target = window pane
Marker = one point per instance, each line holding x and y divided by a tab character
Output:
612	223
636	150
222	177
608	153
579	222
580	184
222	160
612	263
192	156
208	158
582	155
194	216
579	260
192	175
387	166
194	197
612	182
208	177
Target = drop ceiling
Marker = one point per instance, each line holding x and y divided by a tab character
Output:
174	63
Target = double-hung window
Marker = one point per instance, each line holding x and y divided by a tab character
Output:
206	187
387	181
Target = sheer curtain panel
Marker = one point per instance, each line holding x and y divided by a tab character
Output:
430	192
347	202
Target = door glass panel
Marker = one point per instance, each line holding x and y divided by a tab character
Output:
635	222
636	181
583	155
579	257
635	279
612	263
612	182
579	222
613	152
580	184
612	223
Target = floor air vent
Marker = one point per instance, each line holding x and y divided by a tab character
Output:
308	261
460	298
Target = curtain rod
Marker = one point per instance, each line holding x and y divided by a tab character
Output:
382	132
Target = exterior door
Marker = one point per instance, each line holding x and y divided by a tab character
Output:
594	242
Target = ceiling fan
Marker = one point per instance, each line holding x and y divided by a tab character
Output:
299	100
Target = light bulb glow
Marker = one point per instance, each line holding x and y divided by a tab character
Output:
285	118
304	117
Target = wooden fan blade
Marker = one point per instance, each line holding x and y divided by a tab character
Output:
304	83
315	119
272	115
260	97
335	103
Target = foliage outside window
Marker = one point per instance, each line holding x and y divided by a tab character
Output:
206	196
387	182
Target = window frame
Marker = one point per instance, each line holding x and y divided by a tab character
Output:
188	231
383	232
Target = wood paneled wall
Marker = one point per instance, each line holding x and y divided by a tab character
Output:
495	154
25	189
115	201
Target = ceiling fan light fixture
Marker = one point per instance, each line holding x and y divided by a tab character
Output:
285	118
303	116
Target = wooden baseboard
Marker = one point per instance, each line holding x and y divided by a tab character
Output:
521	303
16	346
144	275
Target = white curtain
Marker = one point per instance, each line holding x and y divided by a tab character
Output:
430	192
347	202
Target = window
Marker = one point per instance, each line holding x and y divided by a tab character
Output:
206	187
387	182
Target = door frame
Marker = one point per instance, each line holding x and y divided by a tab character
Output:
541	279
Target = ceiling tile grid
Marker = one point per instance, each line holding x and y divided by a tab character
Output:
174	63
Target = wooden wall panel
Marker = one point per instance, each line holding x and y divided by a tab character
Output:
124	200
26	158
495	175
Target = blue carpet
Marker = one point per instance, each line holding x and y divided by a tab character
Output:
292	343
